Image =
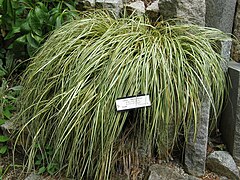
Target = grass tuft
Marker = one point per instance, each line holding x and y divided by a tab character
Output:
70	89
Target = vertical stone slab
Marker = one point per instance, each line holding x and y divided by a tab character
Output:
220	14
236	32
191	11
230	120
225	52
196	149
225	47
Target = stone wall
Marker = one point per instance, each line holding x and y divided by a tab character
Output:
190	11
213	13
221	14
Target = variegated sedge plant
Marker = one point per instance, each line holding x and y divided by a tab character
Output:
71	85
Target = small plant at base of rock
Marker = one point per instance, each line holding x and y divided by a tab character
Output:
3	141
8	96
42	163
2	172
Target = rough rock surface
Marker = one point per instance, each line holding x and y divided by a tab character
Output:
7	128
153	7
220	14
230	119
163	172
223	178
33	177
153	10
225	52
137	6
221	162
236	32
168	8
195	151
192	11
87	3
113	5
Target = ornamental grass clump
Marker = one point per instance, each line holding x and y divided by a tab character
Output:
71	85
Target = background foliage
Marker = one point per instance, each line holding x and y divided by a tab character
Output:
25	25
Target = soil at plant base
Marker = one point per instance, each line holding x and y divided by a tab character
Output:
10	171
139	172
16	172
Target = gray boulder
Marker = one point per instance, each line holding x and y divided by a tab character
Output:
7	128
153	10
137	6
168	8
223	178
87	3
191	11
113	5
220	14
33	177
221	162
163	172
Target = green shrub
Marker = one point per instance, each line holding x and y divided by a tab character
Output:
70	89
25	25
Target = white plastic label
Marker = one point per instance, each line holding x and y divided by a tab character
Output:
133	102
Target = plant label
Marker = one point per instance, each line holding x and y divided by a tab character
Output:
135	102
